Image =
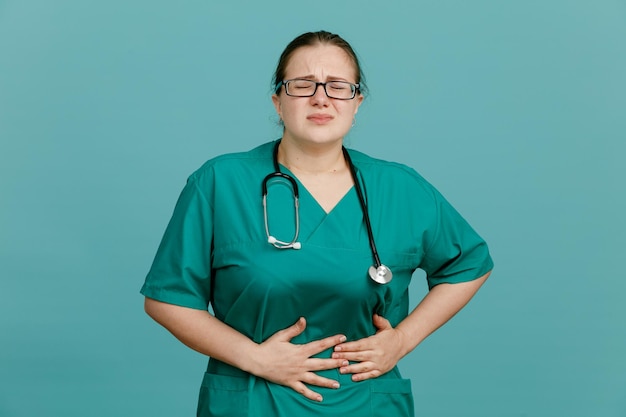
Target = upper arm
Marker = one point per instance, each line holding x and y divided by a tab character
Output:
455	253
181	272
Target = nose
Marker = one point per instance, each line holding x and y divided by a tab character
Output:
319	97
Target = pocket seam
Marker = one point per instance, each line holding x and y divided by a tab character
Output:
391	386
233	383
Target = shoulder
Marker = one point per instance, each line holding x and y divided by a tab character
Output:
391	174
235	164
366	162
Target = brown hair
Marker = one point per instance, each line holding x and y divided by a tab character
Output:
311	39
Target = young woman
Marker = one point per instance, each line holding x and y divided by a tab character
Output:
310	299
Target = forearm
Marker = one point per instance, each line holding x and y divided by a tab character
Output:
437	307
204	333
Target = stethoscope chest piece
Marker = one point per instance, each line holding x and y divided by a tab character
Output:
381	275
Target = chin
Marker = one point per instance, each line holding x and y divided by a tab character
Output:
318	141
323	138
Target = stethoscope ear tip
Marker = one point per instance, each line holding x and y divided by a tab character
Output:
283	245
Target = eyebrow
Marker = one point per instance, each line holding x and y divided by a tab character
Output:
329	78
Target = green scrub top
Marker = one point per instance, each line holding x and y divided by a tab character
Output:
215	251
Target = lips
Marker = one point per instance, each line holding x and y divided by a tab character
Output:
320	118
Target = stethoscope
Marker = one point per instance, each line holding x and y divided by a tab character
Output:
378	272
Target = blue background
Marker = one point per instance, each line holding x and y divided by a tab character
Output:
514	110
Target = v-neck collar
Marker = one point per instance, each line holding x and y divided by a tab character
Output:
305	192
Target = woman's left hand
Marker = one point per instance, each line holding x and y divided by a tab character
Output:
374	355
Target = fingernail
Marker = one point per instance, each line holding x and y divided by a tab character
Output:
337	348
342	370
319	398
344	363
336	385
343	339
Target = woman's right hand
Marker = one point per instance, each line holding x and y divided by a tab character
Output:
277	359
282	362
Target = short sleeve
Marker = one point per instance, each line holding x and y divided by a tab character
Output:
456	253
181	271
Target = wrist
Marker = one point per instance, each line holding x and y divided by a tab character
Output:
405	343
247	358
250	359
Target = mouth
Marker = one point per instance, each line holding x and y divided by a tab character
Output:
320	119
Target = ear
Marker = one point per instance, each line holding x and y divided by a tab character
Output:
276	102
359	100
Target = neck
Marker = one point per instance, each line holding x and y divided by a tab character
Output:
315	159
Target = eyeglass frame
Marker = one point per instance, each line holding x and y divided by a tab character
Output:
355	88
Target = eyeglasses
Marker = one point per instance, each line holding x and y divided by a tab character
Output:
340	90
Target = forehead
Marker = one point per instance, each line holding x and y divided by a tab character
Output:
321	61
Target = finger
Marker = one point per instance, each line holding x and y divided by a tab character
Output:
359	356
380	322
300	388
361	369
357	345
321	345
366	375
357	368
317	364
290	332
318	381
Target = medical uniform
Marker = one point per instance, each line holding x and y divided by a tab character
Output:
215	250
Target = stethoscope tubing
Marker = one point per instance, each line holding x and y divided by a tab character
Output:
378	272
366	217
296	203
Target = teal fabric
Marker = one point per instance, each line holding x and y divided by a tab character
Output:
215	250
